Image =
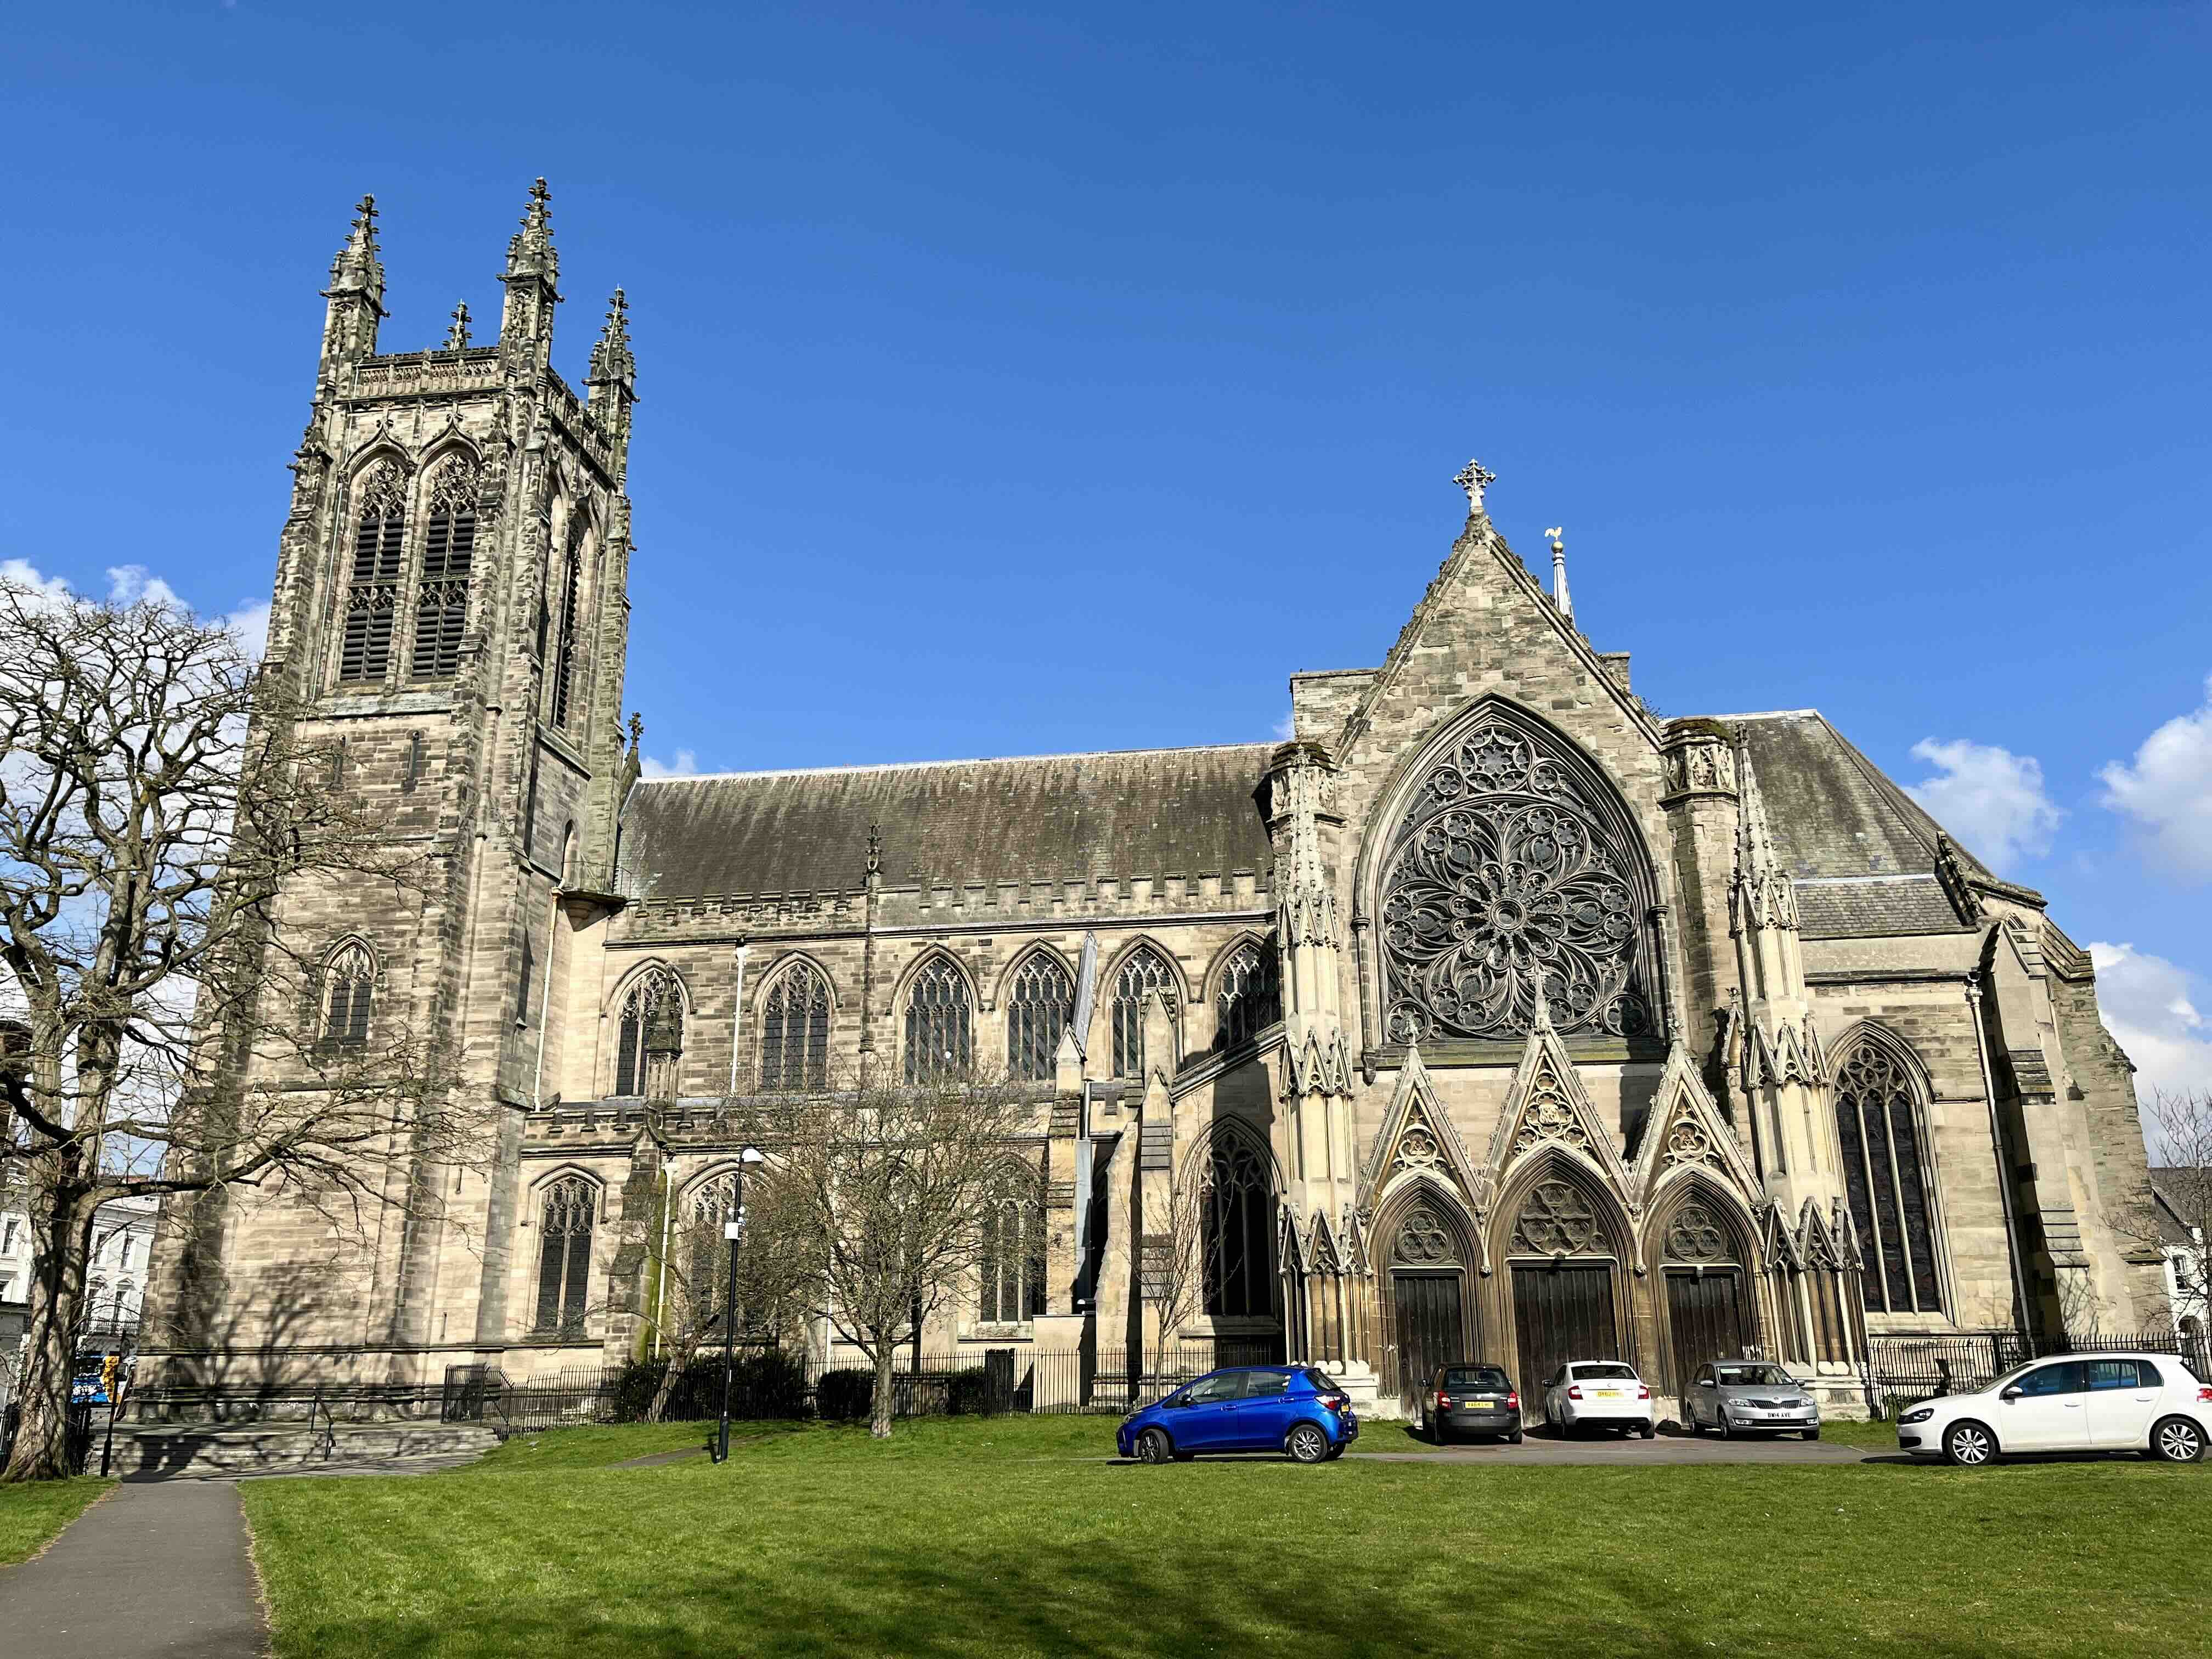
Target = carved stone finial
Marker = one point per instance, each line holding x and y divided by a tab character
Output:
1474	478
875	848
636	730
457	336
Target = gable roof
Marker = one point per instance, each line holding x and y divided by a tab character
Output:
1130	813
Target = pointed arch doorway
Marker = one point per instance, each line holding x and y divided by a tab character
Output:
1566	1268
1430	1311
1709	1315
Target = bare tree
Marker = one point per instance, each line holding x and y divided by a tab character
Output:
2181	1148
880	1193
155	801
1174	1265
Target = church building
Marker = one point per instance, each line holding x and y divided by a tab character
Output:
1488	1015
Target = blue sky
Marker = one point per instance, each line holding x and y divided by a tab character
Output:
1030	379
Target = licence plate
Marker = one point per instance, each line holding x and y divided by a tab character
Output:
1609	1394
1484	1399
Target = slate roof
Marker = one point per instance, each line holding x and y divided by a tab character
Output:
2176	1190
1141	812
1862	851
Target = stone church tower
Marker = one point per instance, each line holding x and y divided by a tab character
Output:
1490	1015
450	607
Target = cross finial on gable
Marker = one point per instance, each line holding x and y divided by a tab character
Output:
1474	478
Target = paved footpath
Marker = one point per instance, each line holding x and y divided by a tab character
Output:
156	1567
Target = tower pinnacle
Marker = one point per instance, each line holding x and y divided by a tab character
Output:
611	359
457	336
1560	600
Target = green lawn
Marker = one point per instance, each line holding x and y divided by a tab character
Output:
1017	1535
32	1513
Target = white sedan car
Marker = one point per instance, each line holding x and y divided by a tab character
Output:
2141	1402
1599	1393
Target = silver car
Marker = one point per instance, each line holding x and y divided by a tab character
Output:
1748	1396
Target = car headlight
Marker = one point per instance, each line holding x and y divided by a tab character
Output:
1917	1414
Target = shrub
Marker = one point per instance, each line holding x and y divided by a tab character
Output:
969	1394
842	1396
764	1384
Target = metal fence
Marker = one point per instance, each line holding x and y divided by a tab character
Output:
1904	1370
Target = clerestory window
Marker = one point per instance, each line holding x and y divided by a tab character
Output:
795	1032
939	1025
1143	972
1038	1003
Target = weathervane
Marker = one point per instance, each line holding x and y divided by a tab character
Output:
1474	478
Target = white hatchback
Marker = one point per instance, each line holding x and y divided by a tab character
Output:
1599	1393
2141	1402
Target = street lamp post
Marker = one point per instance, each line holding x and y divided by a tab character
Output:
734	1230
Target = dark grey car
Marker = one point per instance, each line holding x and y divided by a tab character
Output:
1748	1396
1471	1398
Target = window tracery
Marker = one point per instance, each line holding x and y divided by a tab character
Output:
1556	1219
564	1254
1878	1124
372	599
1142	972
1013	1252
442	594
1250	999
1423	1239
651	1038
940	1034
795	1032
1038	1003
1236	1228
1506	881
349	996
1696	1235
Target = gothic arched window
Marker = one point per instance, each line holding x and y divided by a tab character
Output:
571	582
1250	999
652	1035
938	1031
1038	1003
1013	1251
1236	1230
1512	874
1877	1121
1144	971
564	1253
795	1032
441	595
348	993
372	599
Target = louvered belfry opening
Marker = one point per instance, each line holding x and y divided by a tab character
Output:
372	600
795	1032
564	664
441	602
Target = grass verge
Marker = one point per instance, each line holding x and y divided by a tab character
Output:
33	1513
1012	1536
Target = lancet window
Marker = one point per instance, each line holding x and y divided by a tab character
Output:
651	1036
1878	1122
441	595
372	597
349	995
1250	999
939	1026
1142	972
1508	879
795	1031
1013	1251
1236	1228
564	1253
571	582
1038	1003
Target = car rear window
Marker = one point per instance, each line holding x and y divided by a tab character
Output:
1319	1380
1258	1385
1475	1377
1605	1372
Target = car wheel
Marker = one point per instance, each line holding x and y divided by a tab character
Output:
1689	1424
2176	1440
1306	1445
1335	1452
1721	1426
1969	1446
1812	1434
1514	1438
1153	1446
1441	1434
1649	1429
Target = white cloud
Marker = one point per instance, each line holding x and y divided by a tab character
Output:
1990	798
1287	728
2167	791
20	572
129	583
685	765
2150	1006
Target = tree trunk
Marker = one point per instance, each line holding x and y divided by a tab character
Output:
659	1404
41	1449
879	1411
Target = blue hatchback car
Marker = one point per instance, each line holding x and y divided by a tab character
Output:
1292	1409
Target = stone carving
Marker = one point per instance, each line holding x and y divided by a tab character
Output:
1422	1238
1474	478
1695	1236
1549	1117
1504	884
1688	1143
1557	1220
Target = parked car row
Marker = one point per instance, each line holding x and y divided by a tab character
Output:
2151	1404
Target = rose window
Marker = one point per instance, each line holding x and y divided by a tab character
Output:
1422	1237
1557	1220
1694	1235
1505	883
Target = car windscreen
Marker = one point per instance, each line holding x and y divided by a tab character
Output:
1475	1377
1604	1373
1754	1376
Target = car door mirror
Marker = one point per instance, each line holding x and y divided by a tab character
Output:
1706	1383
2011	1394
